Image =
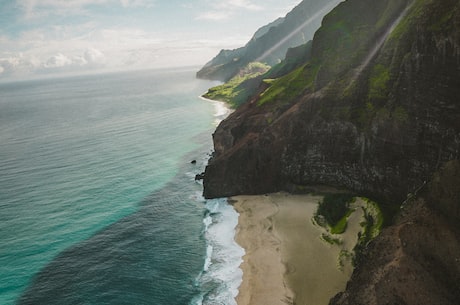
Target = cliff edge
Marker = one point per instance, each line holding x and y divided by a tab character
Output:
376	110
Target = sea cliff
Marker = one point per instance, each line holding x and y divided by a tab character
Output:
375	110
271	42
380	125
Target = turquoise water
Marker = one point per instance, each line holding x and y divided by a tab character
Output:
98	204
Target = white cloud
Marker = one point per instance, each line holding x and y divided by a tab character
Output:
224	10
120	42
137	3
18	63
214	15
244	4
57	61
94	57
43	8
30	5
91	58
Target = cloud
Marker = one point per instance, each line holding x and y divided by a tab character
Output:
57	61
17	64
137	3
224	10
244	4
94	57
34	9
43	8
214	15
91	58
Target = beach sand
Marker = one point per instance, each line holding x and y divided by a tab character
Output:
286	260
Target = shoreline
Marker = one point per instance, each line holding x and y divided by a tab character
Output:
286	261
222	109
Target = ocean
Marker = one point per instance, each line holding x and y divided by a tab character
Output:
98	202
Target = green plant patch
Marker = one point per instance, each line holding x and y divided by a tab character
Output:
378	82
334	208
290	86
331	240
400	114
341	225
232	92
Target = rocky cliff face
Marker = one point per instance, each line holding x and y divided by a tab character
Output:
375	110
277	37
417	260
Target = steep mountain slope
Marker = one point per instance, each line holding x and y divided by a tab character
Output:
376	110
270	43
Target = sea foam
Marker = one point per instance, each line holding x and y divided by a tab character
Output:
221	110
222	275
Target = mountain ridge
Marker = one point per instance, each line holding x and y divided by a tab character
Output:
277	37
375	110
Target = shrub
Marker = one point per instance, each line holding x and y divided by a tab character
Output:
334	207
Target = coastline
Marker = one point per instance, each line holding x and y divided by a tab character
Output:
222	109
285	260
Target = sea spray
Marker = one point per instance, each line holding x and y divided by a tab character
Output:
222	275
221	110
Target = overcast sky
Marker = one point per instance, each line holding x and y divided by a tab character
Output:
79	36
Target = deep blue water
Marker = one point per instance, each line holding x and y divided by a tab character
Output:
98	203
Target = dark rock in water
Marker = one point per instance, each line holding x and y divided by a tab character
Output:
199	176
193	162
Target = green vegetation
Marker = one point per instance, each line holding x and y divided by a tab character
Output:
443	24
335	209
344	256
341	225
378	82
374	219
290	86
400	114
415	12
233	92
389	13
366	114
372	225
329	239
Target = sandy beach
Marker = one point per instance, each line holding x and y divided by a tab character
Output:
286	261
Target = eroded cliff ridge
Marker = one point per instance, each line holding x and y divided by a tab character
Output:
375	109
271	42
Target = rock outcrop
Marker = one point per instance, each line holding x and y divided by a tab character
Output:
375	110
417	260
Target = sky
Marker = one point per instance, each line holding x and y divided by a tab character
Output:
49	37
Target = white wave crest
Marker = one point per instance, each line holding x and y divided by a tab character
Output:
222	276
